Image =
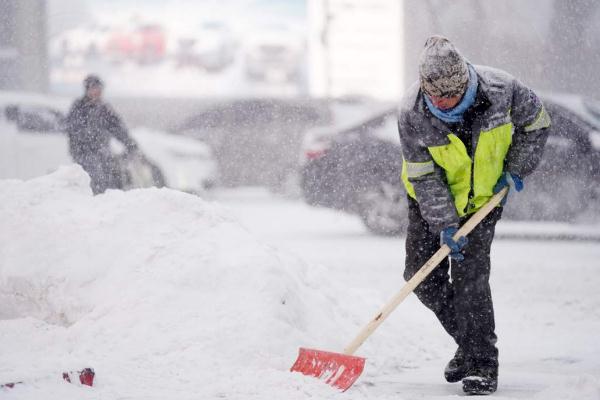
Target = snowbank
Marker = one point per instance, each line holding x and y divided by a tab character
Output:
163	294
167	296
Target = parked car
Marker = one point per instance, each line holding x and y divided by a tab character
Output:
212	46
274	54
38	145
357	169
567	182
74	46
187	164
255	141
150	44
35	118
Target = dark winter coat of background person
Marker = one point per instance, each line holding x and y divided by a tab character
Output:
90	125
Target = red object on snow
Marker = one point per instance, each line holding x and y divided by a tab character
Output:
86	376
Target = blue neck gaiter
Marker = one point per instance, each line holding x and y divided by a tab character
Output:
455	114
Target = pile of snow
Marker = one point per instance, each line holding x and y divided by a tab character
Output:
167	296
163	294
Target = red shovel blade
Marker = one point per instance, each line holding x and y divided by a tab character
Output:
336	369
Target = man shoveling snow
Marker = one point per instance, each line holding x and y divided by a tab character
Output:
466	132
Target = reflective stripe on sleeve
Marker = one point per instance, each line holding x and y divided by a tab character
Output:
542	121
415	170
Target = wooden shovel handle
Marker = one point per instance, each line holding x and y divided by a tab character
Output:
422	273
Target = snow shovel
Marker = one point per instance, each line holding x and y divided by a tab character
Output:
341	370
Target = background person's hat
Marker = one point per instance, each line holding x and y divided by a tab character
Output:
91	81
443	71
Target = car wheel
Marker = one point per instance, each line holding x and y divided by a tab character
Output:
383	209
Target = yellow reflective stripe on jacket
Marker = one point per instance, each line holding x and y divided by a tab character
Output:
490	153
414	170
410	190
417	169
541	121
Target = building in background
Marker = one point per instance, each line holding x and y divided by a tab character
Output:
23	43
551	45
355	48
372	47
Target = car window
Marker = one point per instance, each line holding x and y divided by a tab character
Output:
593	107
568	130
568	150
388	129
595	139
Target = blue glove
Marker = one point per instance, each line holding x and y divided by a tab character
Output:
512	181
455	245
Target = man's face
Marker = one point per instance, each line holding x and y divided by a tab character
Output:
445	103
94	92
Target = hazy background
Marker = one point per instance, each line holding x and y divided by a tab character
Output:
252	78
326	47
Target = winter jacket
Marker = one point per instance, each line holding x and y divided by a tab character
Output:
451	169
90	125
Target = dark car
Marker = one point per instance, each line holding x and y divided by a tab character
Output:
357	169
255	141
35	118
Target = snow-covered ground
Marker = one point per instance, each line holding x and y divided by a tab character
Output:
168	296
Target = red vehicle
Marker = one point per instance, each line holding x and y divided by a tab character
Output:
151	44
145	45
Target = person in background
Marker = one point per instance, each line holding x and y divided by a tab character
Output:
90	125
466	132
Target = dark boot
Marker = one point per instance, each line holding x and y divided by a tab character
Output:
457	368
481	379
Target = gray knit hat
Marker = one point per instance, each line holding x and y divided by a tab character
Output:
443	70
91	81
